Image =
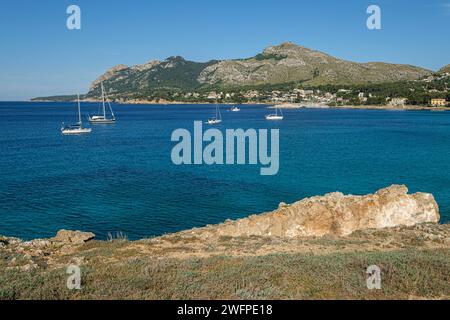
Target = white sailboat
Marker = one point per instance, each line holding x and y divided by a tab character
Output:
217	119
235	109
101	118
275	116
75	128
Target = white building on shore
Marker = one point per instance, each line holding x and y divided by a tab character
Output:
398	102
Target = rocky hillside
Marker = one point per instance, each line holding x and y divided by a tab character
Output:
289	62
445	69
287	254
280	64
174	73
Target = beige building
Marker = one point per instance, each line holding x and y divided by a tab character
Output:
438	102
398	102
214	96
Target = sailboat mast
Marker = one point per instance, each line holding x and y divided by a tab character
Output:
218	115
110	108
79	109
103	99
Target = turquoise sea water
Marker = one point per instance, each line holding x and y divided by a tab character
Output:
121	178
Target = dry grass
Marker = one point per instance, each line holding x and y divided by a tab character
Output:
405	274
415	264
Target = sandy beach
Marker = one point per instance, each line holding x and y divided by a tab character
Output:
370	107
272	106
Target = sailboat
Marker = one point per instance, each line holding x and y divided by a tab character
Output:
217	119
275	116
235	109
101	117
75	128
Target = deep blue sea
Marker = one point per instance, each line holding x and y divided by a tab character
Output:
121	177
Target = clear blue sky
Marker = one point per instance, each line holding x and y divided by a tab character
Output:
39	56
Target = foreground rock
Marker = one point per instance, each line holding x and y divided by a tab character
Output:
73	237
334	214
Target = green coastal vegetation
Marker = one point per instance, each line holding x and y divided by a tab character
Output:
418	92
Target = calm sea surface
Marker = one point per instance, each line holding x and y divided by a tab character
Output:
121	178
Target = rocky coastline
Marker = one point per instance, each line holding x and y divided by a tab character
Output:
361	107
390	227
271	106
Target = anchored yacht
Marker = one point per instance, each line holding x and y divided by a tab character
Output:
76	128
276	115
217	119
102	118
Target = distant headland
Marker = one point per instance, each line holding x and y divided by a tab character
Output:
286	73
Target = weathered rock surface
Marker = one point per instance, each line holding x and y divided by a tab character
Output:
74	237
109	74
334	214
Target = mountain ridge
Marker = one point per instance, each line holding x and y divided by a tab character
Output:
275	65
289	62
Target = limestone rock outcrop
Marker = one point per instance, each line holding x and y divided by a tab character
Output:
334	214
73	237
